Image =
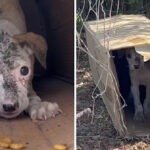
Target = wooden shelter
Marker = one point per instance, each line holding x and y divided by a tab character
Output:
105	38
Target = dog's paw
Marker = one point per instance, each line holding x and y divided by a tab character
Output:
139	116
44	110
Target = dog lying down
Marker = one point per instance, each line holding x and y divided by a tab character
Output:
17	51
140	75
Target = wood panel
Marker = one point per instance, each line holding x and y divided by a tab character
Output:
44	134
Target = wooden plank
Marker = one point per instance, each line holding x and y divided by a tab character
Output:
44	134
104	78
24	131
59	129
123	30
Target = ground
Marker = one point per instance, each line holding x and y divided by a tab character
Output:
98	134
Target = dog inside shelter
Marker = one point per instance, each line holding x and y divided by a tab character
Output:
53	20
117	70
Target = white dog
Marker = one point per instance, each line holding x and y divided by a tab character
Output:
140	75
17	51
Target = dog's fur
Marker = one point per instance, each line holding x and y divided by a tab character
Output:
140	75
17	49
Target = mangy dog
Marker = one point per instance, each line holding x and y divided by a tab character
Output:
17	52
140	75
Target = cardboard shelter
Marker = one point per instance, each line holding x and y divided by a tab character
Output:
104	38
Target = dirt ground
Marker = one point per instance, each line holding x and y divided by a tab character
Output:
99	134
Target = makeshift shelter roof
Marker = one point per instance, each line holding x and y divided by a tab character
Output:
123	31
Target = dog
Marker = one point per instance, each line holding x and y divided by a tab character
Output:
140	75
18	49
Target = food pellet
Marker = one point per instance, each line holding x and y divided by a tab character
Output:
4	144
60	147
15	146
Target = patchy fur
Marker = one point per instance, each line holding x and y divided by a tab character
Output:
17	52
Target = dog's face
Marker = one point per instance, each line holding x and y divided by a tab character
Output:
16	71
135	60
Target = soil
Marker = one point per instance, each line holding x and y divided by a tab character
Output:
96	131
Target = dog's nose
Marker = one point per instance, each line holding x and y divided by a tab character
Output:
9	107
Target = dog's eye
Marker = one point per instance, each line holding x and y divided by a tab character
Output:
24	70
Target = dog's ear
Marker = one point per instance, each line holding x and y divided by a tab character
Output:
37	43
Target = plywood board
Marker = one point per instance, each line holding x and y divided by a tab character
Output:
122	31
105	78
